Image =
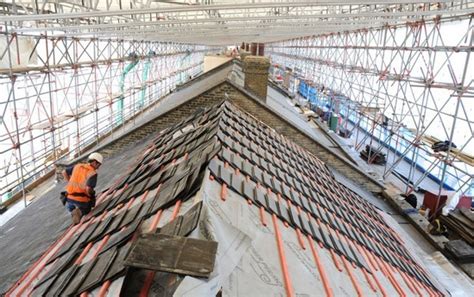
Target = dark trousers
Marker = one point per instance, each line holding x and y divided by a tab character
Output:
85	207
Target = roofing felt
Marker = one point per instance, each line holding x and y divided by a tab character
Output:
275	178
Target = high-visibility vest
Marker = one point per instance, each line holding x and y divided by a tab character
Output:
77	185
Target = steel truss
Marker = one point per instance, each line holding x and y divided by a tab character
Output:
419	74
218	22
79	91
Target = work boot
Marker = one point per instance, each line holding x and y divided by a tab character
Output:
76	216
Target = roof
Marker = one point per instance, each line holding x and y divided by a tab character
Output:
282	222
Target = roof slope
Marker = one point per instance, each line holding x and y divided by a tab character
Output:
304	229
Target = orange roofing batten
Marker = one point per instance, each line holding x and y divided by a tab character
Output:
350	244
300	238
320	267
45	257
151	274
104	289
371	258
86	224
262	216
369	280
334	259
83	254
281	253
147	284
390	277
177	206
155	221
224	192
408	282
352	277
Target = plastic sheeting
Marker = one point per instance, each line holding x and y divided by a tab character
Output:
248	262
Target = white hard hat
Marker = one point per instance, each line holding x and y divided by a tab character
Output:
97	157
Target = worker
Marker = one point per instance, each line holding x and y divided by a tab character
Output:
80	193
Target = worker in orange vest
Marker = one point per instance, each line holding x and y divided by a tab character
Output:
80	193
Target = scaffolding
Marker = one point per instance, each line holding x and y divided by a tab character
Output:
72	92
418	76
72	71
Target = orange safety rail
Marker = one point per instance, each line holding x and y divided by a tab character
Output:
284	265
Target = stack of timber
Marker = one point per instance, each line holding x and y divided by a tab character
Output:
461	221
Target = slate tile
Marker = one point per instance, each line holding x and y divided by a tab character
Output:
338	246
97	273
117	267
78	279
295	221
96	211
273	205
237	161
237	183
305	224
100	230
114	225
178	189
61	281
255	159
298	186
257	174
68	246
327	239
286	191
246	153
249	190
214	167
226	175
226	155
267	179
42	288
190	219
164	195
154	179
276	185
304	202
260	197
126	195
172	228
294	196
173	254
284	212
130	216
59	266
